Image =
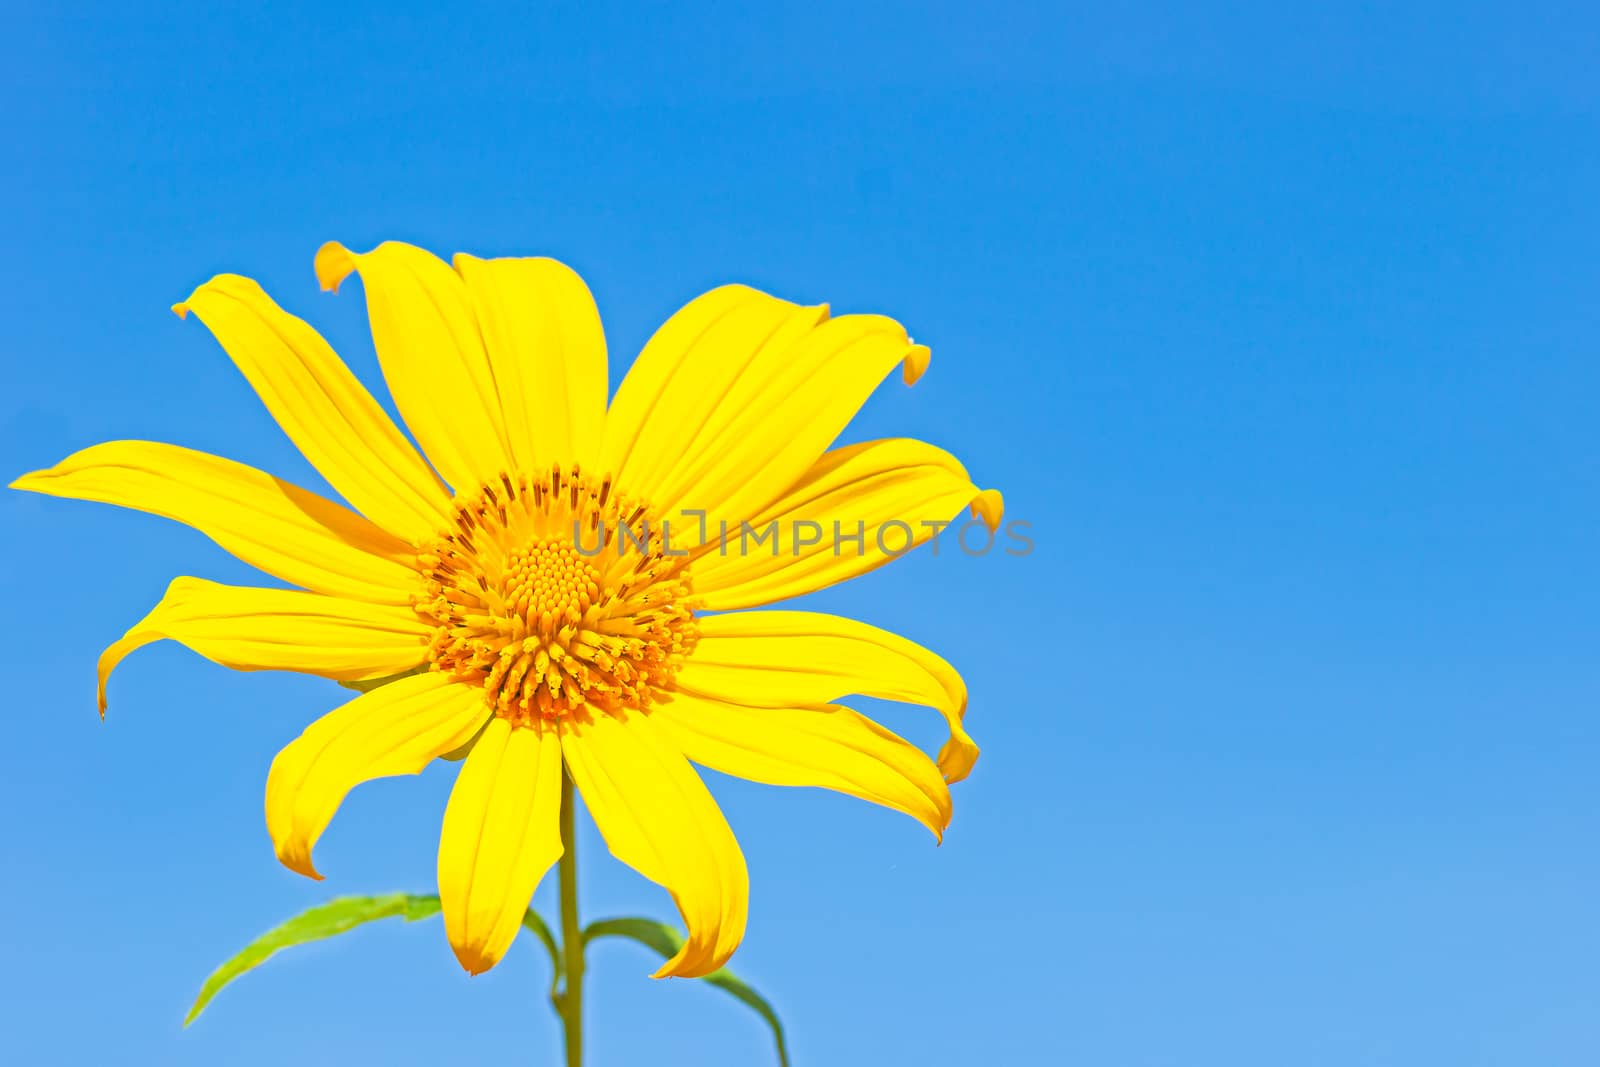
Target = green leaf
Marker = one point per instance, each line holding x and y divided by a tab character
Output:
535	923
339	916
665	940
321	922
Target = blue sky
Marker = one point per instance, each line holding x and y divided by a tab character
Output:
1278	327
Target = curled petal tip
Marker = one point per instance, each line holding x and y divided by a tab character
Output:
956	758
333	264
941	822
299	863
915	363
989	505
472	961
673	968
219	283
682	966
103	671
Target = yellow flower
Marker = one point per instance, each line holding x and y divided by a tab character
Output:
525	572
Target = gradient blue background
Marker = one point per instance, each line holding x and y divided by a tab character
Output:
1279	328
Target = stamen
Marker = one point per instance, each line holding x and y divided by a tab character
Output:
545	629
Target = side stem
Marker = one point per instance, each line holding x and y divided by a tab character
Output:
571	932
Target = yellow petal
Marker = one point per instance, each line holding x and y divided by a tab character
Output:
395	729
858	508
780	415
548	350
733	317
827	746
501	834
738	394
323	409
432	355
277	630
780	659
657	817
288	532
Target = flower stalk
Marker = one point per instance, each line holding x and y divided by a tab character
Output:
571	1003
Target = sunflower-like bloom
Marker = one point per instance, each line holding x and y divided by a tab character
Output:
523	581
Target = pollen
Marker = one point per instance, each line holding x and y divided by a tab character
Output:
557	596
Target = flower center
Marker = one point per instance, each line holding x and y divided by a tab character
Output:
555	594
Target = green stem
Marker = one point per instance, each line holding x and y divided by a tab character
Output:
571	933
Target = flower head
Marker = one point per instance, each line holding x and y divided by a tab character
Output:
554	584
